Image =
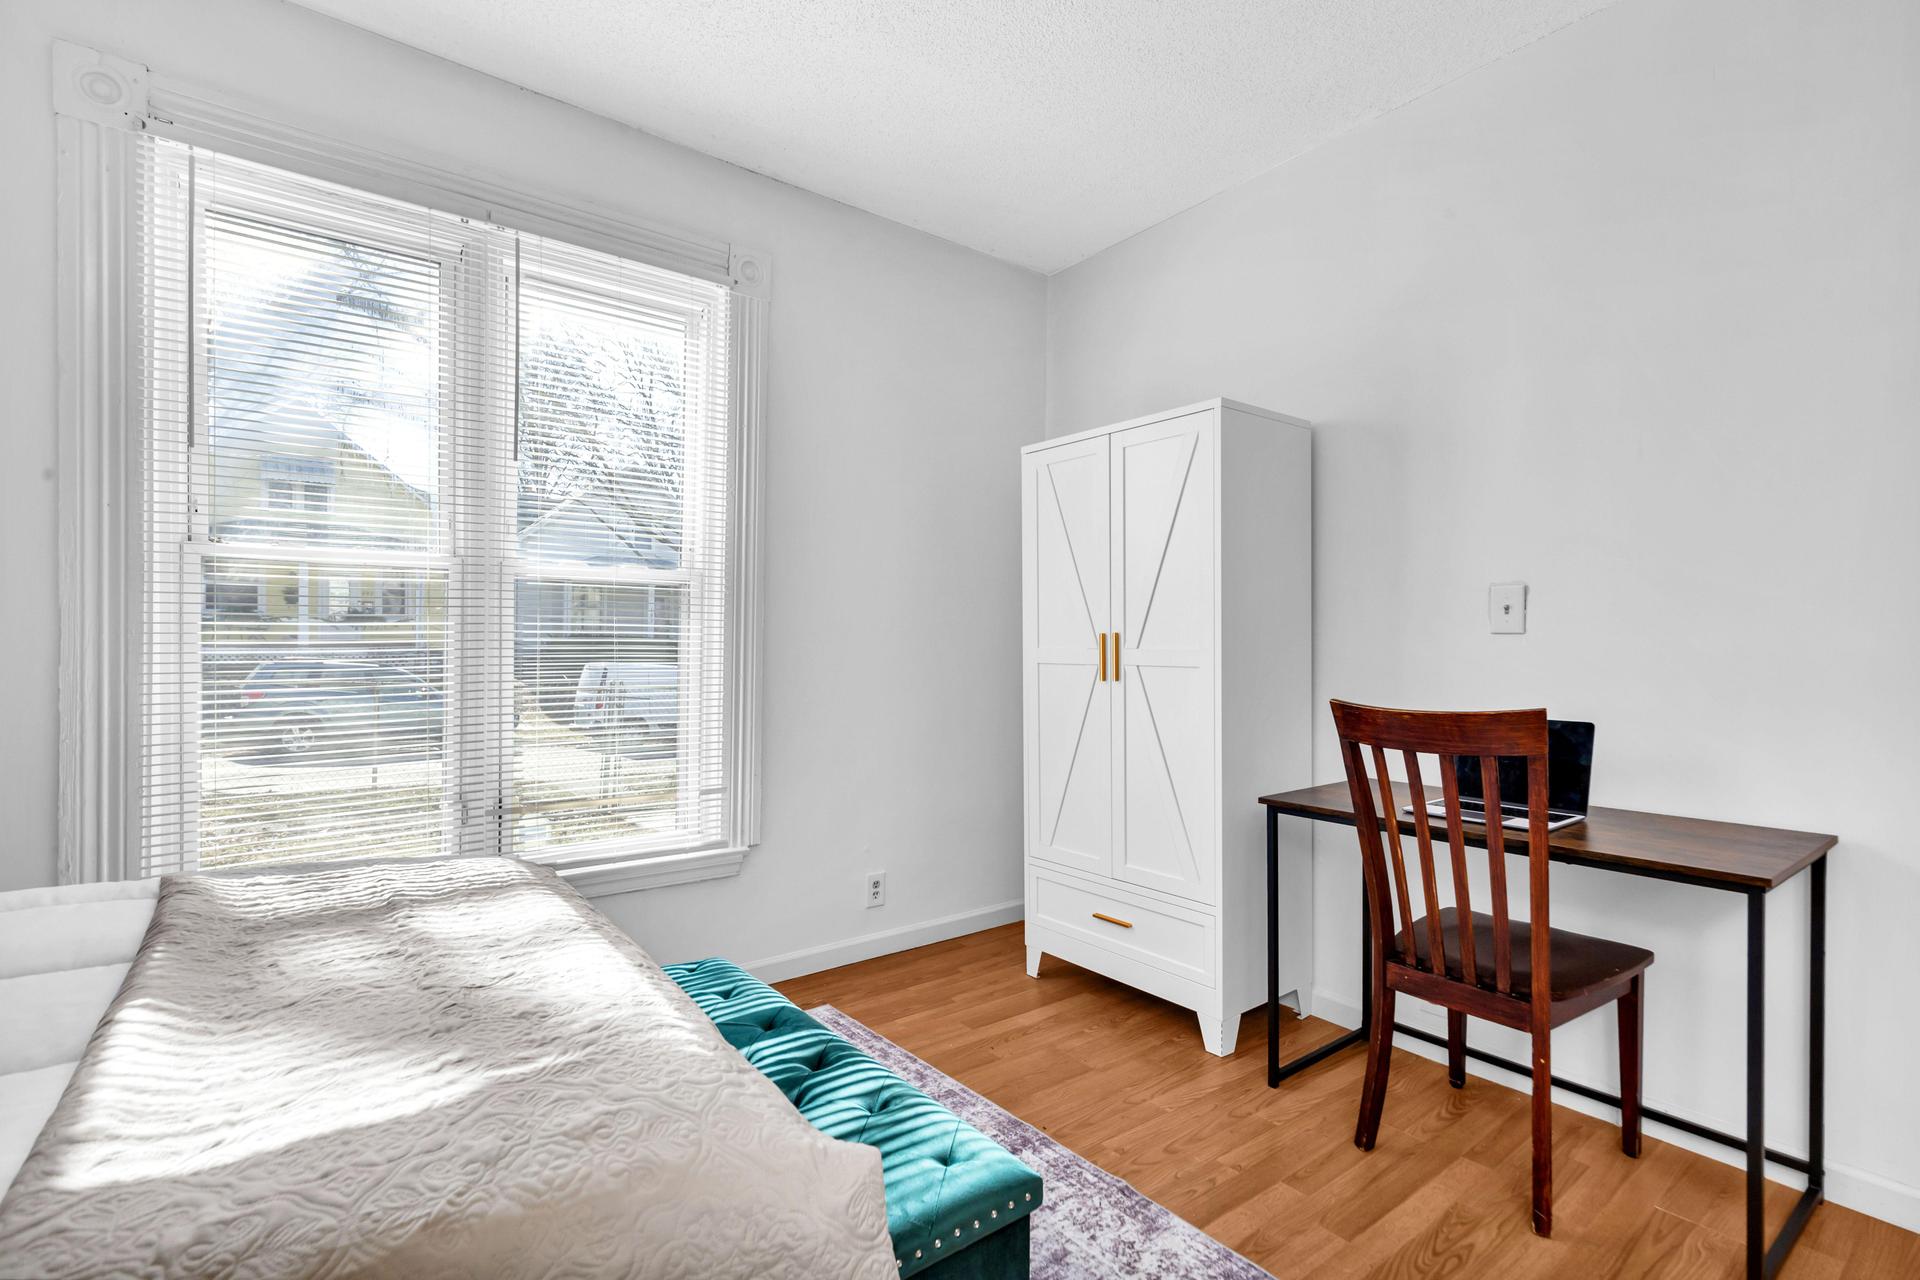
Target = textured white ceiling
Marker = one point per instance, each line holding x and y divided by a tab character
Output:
1040	131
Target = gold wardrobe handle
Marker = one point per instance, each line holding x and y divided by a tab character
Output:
1101	640
1116	655
1124	924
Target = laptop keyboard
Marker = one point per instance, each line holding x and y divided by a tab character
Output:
1514	810
1511	815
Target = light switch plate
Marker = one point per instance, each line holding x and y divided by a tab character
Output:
1507	608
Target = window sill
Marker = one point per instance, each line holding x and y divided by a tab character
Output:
603	879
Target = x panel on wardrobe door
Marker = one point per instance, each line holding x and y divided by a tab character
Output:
1070	716
1163	582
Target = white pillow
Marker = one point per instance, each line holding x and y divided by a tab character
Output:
27	1098
49	1017
78	935
65	894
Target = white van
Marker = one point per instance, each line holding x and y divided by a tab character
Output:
632	700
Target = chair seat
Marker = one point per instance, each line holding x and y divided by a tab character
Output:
1580	965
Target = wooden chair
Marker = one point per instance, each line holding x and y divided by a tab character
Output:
1522	974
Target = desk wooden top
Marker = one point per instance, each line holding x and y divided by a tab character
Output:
1729	855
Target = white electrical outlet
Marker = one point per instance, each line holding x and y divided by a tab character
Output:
876	888
1507	608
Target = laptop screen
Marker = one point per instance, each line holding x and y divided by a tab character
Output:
1569	770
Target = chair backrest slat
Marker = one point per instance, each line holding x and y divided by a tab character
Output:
1540	949
1488	736
1372	863
1457	846
1429	883
1392	814
1497	872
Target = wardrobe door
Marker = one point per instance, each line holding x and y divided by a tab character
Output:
1069	708
1164	610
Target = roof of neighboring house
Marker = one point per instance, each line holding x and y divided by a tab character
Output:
401	446
594	528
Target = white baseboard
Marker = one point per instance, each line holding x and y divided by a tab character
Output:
1869	1193
1338	1010
1873	1195
796	964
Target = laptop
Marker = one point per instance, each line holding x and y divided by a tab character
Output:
1569	771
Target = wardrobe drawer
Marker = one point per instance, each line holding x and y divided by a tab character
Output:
1166	938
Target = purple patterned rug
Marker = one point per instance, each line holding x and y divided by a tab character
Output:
1093	1226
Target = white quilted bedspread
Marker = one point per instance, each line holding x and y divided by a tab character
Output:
431	1070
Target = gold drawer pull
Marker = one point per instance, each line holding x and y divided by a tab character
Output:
1124	924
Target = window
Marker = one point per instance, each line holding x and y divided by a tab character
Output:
229	597
437	555
294	492
393	601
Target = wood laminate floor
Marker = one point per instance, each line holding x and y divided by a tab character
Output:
1120	1077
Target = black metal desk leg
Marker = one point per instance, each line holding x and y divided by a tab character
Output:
1273	948
1277	1070
1816	1161
1756	1084
1817	1027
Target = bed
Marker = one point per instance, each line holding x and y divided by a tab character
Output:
424	1069
63	953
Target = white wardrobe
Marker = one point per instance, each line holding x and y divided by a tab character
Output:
1168	685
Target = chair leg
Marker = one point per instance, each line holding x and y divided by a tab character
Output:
1456	1048
1542	1130
1373	1093
1631	1016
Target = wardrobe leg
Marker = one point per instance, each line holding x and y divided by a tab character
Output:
1219	1033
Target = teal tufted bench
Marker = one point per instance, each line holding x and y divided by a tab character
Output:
957	1203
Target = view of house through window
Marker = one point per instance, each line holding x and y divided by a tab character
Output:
599	617
436	533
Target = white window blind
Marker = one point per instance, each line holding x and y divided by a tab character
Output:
435	533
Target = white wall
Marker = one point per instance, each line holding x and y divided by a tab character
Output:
904	373
1633	316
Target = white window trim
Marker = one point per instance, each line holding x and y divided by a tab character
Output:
100	103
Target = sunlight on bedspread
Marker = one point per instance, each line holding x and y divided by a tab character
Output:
438	1069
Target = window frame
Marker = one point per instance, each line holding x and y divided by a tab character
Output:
555	281
99	265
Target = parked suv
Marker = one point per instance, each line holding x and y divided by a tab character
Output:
317	708
629	706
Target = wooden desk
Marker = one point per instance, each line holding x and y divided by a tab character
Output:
1715	855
